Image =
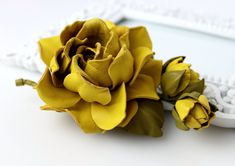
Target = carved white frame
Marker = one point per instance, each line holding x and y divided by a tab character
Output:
220	92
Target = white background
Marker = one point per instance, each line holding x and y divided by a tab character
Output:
30	137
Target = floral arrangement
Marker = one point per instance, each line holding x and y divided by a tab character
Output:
105	77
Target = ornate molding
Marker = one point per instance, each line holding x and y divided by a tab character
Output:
221	92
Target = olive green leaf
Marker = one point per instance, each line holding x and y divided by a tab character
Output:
178	122
197	86
195	95
148	120
170	81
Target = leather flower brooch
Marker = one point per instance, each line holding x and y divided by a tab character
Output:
105	77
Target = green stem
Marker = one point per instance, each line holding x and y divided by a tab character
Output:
22	82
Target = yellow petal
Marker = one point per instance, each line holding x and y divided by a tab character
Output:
123	33
204	101
99	50
198	112
75	68
212	117
53	96
109	116
132	107
141	55
178	66
48	48
201	121
192	123
58	65
95	30
139	37
68	52
88	91
121	69
97	69
153	68
121	30
112	46
183	107
184	82
81	113
176	61
143	87
109	24
70	31
54	65
54	68
179	123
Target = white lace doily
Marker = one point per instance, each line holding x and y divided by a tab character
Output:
220	92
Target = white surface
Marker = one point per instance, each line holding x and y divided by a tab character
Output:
33	137
29	136
207	54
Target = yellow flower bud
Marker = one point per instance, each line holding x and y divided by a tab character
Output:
193	111
179	78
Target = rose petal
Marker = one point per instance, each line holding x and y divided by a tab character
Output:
143	87
178	66
69	51
153	68
139	37
97	69
204	101
109	24
179	123
183	107
98	51
53	96
174	61
123	33
95	30
54	68
198	112
81	113
70	31
132	107
109	116
192	123
121	69
48	48
112	47
141	55
75	68
88	91
207	124
170	82
184	82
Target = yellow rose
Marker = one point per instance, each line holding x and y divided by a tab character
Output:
193	111
96	71
179	78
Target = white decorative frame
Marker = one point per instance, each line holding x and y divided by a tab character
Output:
220	92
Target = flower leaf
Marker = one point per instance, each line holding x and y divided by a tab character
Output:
148	120
178	122
197	86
